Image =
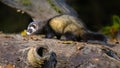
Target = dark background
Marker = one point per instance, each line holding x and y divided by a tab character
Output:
94	13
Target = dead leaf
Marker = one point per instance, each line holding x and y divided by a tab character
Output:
67	42
10	66
0	66
24	33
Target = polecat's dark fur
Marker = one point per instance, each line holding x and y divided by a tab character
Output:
68	26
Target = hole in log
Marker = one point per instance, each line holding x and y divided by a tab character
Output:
41	51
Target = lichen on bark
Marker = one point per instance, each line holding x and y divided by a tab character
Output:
25	2
57	9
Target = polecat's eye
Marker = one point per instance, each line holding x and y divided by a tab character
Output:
33	26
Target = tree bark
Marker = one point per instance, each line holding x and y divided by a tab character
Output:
41	10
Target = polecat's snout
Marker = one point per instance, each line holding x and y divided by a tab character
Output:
32	28
29	31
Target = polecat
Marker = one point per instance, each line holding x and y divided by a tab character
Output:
70	27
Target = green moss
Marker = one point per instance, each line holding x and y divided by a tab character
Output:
54	6
112	29
25	2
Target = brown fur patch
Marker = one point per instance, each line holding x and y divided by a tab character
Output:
67	23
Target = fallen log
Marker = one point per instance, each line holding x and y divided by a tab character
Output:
16	50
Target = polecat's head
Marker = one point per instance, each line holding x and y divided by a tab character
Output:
32	28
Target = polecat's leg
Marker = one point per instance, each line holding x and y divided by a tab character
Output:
49	33
69	36
58	36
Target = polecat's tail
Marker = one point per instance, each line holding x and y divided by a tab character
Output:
92	36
